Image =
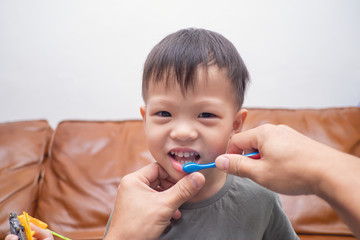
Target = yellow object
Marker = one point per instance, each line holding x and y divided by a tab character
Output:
25	220
35	221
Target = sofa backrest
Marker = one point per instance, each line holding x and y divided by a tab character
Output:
23	148
87	160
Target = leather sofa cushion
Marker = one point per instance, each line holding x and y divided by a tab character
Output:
23	146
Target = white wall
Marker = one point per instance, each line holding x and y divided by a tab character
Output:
69	59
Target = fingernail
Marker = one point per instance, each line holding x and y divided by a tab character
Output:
223	162
194	181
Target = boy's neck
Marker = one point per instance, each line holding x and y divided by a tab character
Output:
214	182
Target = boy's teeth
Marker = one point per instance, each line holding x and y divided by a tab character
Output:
183	154
185	157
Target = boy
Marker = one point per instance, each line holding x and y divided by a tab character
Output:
193	87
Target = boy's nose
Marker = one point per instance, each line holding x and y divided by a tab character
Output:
184	132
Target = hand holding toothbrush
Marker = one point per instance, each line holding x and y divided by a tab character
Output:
294	164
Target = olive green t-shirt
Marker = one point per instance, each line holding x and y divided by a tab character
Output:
242	209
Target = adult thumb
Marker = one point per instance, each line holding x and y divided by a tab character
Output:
185	189
236	164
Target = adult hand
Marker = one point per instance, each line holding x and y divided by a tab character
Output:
147	200
292	164
286	163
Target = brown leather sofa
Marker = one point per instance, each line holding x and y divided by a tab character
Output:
68	176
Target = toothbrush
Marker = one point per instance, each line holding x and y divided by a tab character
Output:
193	167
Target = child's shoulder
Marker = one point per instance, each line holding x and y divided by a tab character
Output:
249	189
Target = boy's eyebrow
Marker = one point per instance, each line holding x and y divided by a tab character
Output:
160	100
207	102
212	100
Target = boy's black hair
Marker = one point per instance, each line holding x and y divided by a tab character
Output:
181	53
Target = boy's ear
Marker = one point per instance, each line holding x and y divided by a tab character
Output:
239	120
143	112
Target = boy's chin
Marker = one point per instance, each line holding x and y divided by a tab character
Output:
174	175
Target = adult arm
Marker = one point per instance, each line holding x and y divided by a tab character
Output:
292	164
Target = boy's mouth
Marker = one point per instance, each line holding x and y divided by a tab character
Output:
185	157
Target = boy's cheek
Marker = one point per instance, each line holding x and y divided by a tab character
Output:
154	139
219	146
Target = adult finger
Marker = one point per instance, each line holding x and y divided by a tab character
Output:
151	174
40	233
244	140
184	189
237	164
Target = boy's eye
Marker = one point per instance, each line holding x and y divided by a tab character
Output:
206	115
163	114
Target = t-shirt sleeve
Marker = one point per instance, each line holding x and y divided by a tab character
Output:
279	226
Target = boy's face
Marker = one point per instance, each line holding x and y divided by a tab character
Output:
192	128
